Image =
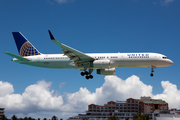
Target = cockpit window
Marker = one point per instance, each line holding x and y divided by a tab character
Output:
164	57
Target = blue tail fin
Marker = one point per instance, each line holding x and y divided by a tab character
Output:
24	47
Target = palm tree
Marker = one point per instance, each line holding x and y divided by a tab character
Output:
14	117
25	118
54	118
145	117
139	116
112	118
29	118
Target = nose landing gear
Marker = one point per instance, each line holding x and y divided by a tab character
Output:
152	70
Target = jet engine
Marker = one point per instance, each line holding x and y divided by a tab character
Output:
102	64
106	71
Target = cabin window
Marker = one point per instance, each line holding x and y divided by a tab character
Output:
164	57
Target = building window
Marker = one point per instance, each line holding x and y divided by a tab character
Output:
156	106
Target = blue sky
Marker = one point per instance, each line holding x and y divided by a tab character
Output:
90	26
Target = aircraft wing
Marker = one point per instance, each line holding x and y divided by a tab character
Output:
78	57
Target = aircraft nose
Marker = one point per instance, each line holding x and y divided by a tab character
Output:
170	62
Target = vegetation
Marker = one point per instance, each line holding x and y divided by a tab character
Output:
14	117
112	118
139	116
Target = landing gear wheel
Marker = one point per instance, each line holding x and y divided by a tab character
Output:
152	70
151	74
90	76
82	73
87	77
86	73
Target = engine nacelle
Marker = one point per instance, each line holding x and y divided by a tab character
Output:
106	71
102	64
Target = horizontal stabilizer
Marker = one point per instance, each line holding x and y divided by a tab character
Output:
17	57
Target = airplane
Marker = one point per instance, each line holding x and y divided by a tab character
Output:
104	63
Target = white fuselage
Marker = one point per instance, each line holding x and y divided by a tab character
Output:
59	61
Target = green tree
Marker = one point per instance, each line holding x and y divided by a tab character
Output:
145	117
54	118
25	118
4	117
14	117
29	118
139	116
112	118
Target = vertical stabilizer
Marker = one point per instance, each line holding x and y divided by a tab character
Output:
24	47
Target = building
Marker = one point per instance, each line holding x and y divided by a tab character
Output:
123	109
150	105
169	115
1	113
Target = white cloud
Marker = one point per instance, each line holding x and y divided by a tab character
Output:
171	94
117	89
64	1
35	98
39	96
166	2
5	88
38	100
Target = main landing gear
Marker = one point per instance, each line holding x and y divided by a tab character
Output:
152	70
88	75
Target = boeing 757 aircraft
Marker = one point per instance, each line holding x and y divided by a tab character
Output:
104	63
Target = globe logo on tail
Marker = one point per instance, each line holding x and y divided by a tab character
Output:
28	50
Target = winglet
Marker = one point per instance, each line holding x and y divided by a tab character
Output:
51	35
